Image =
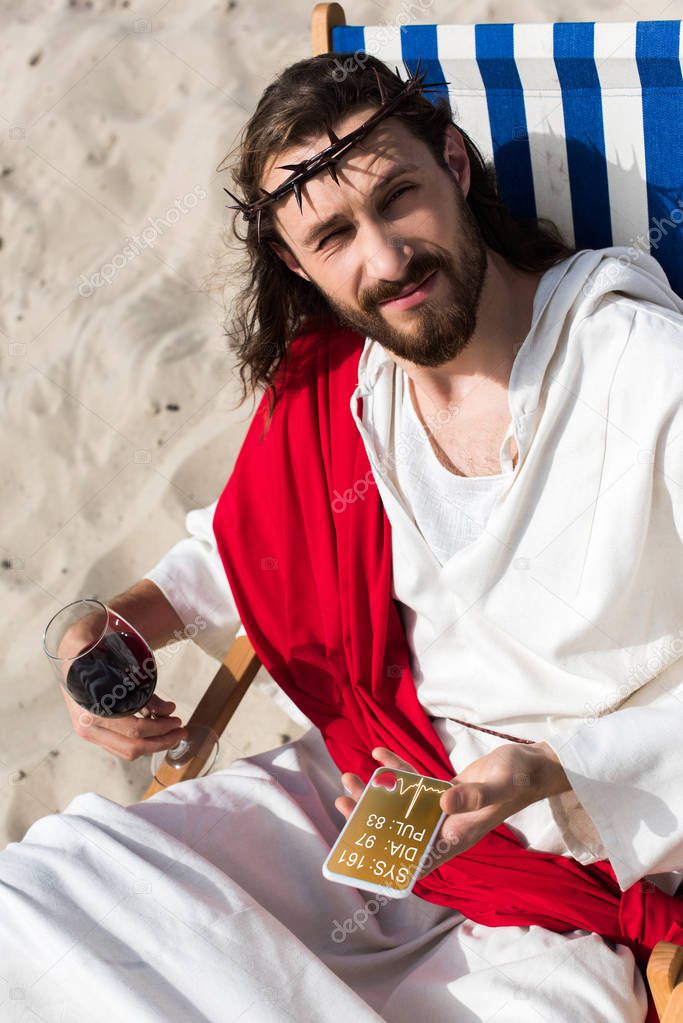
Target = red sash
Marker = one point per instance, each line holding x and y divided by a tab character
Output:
306	545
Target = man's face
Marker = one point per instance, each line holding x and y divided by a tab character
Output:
387	237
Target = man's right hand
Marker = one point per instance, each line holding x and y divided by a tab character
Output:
129	737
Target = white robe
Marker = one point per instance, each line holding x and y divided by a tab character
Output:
206	904
563	620
207	901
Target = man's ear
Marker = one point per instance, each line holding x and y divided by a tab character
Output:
455	155
291	261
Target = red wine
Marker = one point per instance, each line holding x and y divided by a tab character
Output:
115	678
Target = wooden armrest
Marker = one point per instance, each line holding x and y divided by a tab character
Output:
665	977
216	707
323	20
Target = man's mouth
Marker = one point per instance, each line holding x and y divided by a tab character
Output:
398	299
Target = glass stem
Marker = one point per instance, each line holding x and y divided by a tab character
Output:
179	750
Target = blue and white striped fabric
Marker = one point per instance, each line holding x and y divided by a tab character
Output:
584	121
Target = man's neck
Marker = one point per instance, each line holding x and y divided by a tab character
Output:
503	321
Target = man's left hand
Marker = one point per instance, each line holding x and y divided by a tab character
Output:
483	795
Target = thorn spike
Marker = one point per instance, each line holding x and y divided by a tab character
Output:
297	192
241	205
380	86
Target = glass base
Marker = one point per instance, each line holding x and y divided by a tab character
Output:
201	742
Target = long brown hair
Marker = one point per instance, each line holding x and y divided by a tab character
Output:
274	305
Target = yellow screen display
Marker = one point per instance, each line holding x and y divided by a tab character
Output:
389	831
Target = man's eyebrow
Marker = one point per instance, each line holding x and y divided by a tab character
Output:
324	225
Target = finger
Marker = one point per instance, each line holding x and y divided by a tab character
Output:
464	829
141	728
158	706
345	805
130	726
465	797
463	832
353	784
128	748
389	759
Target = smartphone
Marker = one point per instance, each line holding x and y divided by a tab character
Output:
386	840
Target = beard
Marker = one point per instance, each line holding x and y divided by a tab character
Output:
441	327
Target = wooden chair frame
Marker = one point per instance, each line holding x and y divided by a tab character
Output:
241	664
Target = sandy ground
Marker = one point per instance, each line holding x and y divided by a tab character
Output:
119	401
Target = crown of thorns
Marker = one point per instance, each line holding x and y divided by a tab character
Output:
328	158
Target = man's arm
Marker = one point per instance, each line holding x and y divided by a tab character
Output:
625	766
625	769
192	579
147	609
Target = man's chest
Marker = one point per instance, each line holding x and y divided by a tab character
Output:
472	448
476	456
467	442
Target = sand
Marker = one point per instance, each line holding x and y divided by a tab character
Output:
119	396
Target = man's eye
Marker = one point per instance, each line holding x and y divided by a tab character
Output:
327	237
399	191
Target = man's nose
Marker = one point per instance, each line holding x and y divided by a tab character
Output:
387	255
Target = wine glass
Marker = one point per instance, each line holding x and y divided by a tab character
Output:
106	666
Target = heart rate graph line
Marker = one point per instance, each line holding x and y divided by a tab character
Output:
419	786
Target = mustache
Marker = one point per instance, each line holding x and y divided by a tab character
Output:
381	294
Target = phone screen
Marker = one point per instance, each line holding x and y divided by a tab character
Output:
384	842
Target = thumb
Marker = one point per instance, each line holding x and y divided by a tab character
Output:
162	708
465	797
